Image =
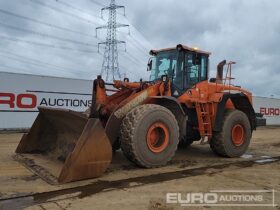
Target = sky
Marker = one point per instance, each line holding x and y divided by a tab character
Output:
57	37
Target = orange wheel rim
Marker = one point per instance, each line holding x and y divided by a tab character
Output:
157	137
237	135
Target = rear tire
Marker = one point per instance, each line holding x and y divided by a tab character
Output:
234	138
149	135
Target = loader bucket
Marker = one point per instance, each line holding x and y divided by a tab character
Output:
64	146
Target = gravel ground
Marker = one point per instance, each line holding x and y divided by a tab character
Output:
124	186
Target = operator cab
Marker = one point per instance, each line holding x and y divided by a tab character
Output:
183	65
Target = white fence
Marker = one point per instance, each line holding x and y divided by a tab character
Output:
21	94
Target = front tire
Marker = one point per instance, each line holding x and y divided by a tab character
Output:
149	135
234	138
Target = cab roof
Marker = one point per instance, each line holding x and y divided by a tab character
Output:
184	47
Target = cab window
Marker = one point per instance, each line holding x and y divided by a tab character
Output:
164	63
192	70
203	72
196	69
178	75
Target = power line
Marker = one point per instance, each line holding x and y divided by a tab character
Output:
136	43
98	3
137	46
46	35
102	5
45	45
131	60
25	71
145	48
134	58
63	12
141	34
34	64
35	61
75	8
135	74
44	23
134	62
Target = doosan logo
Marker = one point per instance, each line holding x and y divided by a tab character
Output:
27	101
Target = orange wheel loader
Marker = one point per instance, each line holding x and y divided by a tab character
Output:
146	119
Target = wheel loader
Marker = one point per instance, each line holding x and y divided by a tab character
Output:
146	119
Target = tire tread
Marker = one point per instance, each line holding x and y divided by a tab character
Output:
128	130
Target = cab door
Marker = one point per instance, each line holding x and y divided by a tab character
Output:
195	69
191	68
178	87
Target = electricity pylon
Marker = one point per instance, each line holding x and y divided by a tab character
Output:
110	65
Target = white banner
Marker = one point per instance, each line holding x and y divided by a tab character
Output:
21	94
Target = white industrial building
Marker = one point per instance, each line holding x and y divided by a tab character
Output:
20	94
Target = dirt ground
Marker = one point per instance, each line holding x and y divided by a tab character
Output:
124	186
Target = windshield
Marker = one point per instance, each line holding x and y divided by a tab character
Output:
164	63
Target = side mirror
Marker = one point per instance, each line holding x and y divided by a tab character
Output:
150	65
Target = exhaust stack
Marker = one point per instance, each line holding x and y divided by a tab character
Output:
220	68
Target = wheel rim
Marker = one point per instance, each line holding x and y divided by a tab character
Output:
157	137
237	135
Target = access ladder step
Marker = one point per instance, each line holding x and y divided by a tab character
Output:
203	114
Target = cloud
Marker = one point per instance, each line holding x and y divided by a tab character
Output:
38	40
246	31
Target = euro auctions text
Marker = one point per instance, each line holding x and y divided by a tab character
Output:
32	100
257	198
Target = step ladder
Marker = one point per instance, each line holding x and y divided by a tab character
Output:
204	121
